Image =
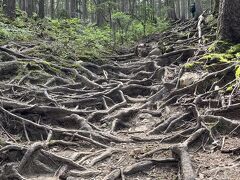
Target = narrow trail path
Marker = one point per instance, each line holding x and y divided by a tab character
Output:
152	117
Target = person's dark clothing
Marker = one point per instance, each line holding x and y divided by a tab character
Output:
193	9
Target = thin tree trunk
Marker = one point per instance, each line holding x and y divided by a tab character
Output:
41	12
182	10
67	8
199	10
29	7
52	7
73	8
9	8
216	7
85	10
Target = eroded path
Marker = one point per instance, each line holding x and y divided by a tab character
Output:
130	118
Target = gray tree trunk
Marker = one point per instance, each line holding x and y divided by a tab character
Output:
41	12
85	10
177	8
199	9
52	7
67	8
182	9
229	21
29	7
73	8
216	7
99	13
9	8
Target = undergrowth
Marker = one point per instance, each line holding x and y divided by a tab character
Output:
70	38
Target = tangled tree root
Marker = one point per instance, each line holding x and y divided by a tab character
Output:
126	118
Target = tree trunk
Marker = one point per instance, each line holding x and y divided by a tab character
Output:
9	8
229	21
99	13
29	7
52	7
41	13
67	8
177	8
216	7
182	9
199	10
85	10
73	8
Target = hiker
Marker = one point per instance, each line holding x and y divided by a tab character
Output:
193	9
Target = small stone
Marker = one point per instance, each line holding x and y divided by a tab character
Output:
188	78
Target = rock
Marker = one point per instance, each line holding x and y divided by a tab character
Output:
188	78
155	52
142	50
145	116
141	128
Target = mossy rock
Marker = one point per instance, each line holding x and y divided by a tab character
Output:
220	46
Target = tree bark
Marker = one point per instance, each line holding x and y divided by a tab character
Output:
177	8
216	7
73	8
29	7
67	8
99	13
85	10
182	9
199	10
52	6
41	12
9	8
229	21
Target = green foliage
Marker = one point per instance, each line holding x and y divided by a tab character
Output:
71	39
10	32
121	17
131	29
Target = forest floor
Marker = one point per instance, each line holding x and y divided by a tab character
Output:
171	116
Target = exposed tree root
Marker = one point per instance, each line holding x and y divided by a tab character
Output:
83	121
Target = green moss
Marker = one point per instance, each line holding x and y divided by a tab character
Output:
234	49
191	65
219	47
50	69
237	72
229	89
237	55
218	57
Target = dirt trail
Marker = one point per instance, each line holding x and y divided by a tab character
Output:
131	118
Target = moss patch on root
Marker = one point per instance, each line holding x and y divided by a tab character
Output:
237	72
221	57
219	47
